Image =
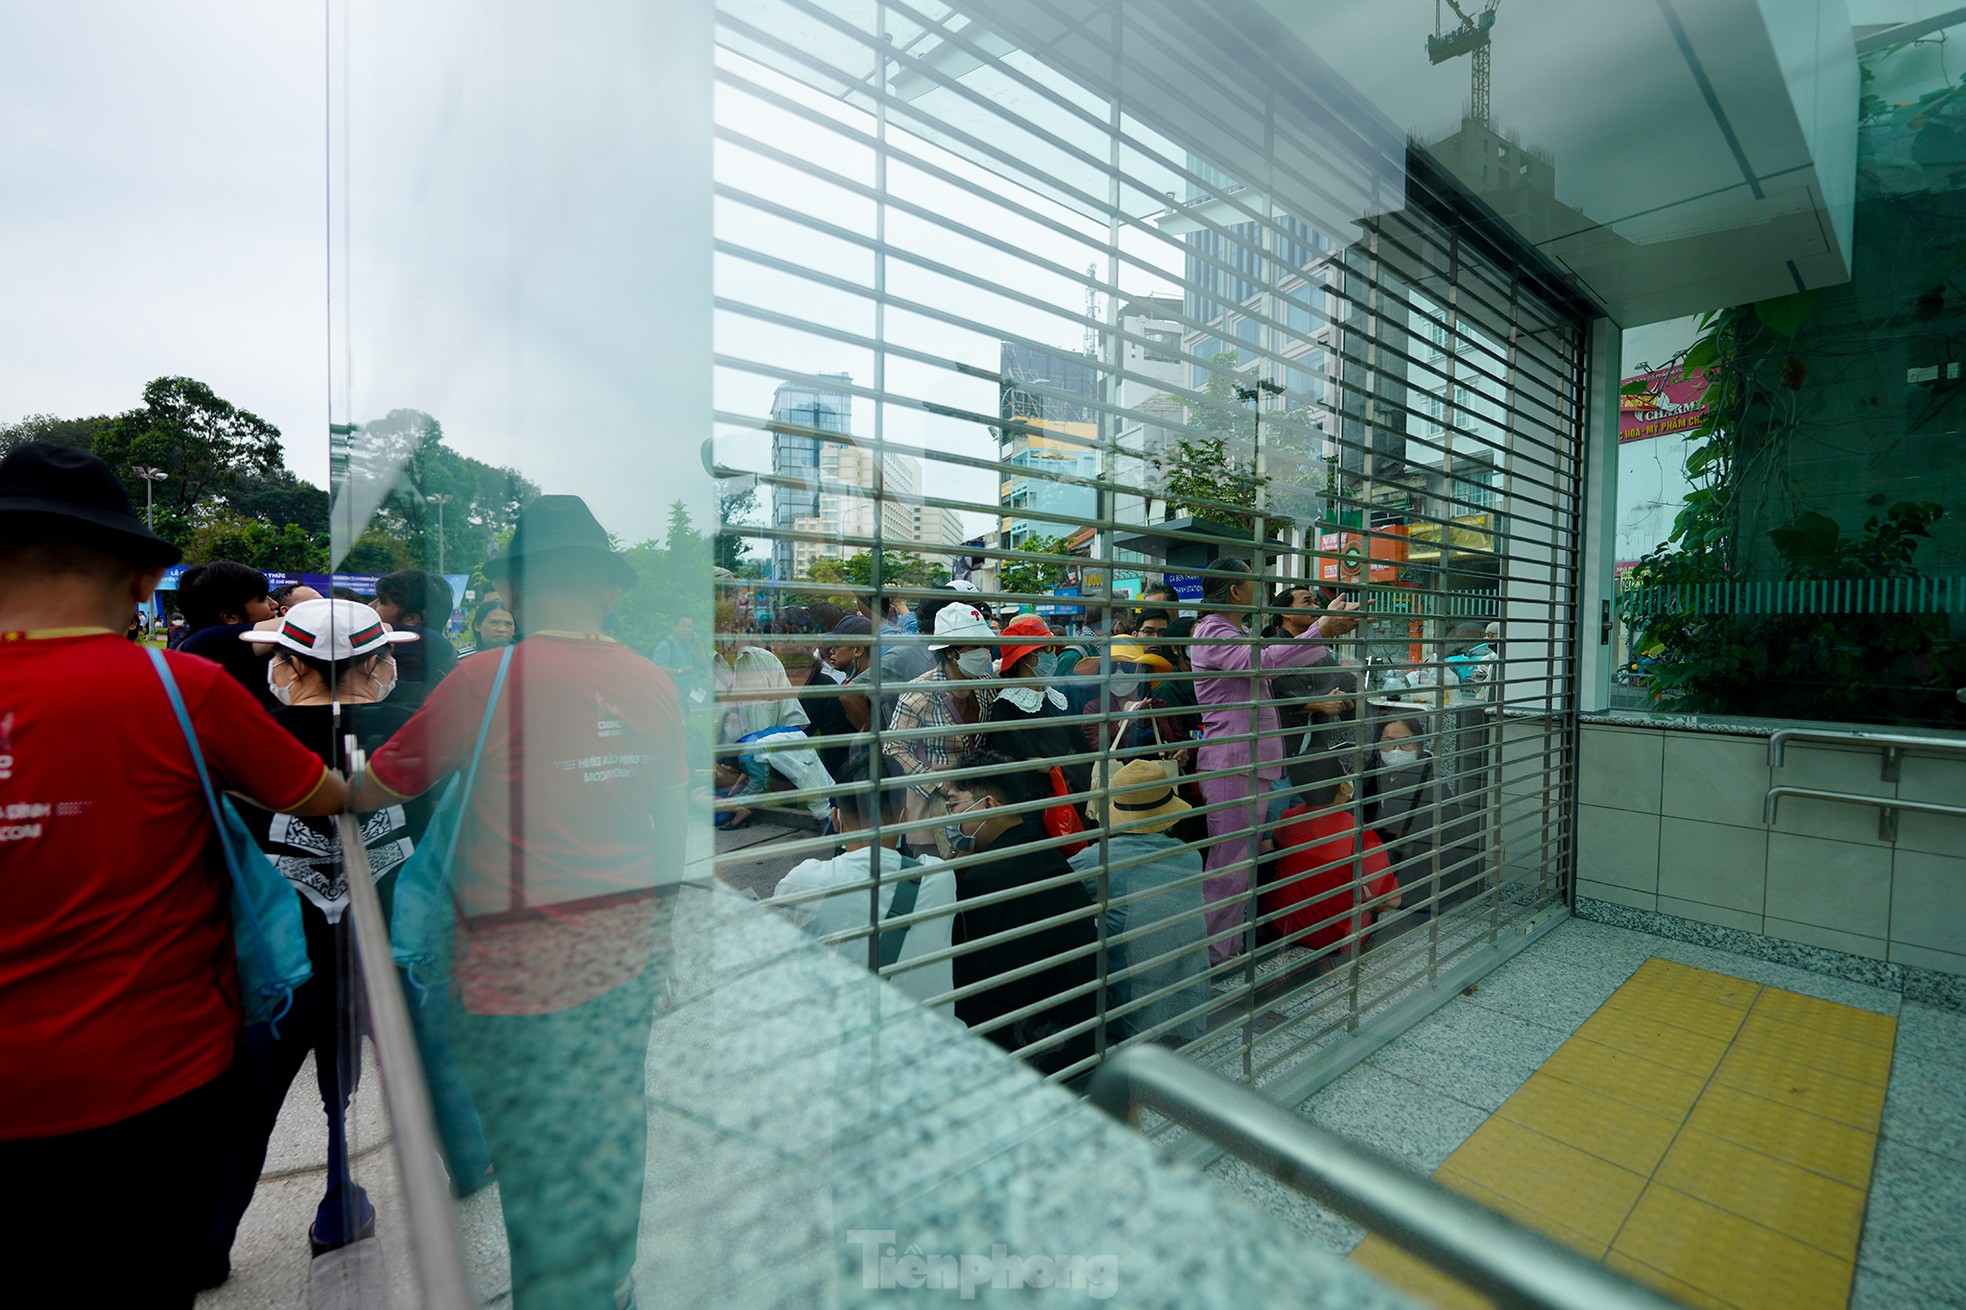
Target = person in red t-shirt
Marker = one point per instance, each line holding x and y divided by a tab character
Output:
119	1007
570	850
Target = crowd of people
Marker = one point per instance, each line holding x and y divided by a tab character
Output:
1158	764
125	1051
1067	836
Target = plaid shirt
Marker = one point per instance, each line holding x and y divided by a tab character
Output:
933	707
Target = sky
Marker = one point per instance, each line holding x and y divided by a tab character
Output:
162	197
511	251
165	179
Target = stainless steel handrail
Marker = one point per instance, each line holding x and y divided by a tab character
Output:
1894	744
433	1243
1888	806
1514	1265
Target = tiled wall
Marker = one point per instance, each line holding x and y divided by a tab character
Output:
1671	822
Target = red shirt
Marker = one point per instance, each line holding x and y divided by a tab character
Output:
561	849
118	989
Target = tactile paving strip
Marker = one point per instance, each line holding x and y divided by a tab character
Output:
1701	1133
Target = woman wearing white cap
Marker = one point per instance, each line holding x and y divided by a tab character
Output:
330	671
941	698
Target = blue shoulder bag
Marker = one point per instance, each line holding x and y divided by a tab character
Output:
420	917
266	929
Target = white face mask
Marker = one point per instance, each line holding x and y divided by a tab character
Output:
282	691
1394	758
975	663
384	675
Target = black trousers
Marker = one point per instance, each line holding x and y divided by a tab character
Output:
325	1020
118	1215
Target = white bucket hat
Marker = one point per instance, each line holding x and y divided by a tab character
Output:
957	624
329	630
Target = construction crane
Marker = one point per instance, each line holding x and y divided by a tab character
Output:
1471	37
1091	342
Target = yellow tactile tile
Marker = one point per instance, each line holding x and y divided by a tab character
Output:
1717	1134
1522	1214
1592	1122
1796	1084
1416	1277
1729	1257
1698	982
1827	1016
1684	1293
1681	1009
1577	1190
1637	1033
1646	1084
1825	1146
1807	1206
1848	1056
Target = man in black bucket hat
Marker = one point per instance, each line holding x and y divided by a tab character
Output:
119	1006
570	850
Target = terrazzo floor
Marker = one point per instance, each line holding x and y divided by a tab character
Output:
1422	1096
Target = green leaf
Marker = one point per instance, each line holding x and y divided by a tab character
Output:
1785	314
1702	354
1638	388
1809	540
1941	272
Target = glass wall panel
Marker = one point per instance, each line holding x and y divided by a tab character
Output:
1792	541
1080	532
522	262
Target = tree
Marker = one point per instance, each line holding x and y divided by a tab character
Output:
282	548
75	433
897	570
682	533
1033	577
281	497
386	472
734	507
1212	475
206	445
375	553
673	582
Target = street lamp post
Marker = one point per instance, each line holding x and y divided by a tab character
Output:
440	502
1253	396
151	477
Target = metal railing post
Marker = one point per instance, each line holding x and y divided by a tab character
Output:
434	1249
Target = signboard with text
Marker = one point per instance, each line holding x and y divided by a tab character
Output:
1666	402
1187	586
1060	609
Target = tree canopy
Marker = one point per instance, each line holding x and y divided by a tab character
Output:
206	446
1211	473
389	471
75	433
1033	577
897	570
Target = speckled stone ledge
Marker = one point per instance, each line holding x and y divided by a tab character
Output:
819	1139
1928	986
1726	725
